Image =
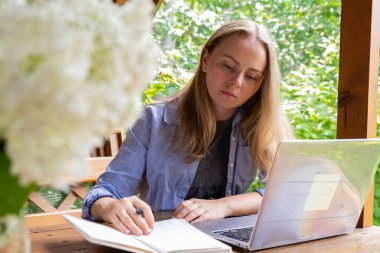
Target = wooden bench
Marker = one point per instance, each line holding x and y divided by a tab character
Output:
100	158
110	146
97	166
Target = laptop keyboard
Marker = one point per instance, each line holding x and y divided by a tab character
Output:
241	234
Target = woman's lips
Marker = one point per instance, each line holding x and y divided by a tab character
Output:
228	94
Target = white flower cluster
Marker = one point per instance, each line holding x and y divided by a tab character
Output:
71	72
11	224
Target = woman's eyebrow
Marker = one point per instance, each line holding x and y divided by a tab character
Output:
233	59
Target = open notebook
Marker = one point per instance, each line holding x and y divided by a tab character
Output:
171	235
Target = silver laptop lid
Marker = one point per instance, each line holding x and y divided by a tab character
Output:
316	189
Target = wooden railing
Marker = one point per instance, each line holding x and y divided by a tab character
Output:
97	166
111	145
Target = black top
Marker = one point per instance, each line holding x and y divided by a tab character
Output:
211	177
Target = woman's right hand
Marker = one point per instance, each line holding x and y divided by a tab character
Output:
122	214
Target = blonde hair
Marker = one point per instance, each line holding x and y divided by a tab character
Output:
263	124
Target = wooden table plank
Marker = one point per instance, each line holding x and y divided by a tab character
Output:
51	233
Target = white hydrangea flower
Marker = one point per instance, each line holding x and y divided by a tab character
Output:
71	72
11	226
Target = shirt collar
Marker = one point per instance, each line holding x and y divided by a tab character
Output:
170	113
238	115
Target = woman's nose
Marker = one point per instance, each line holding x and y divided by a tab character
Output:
236	80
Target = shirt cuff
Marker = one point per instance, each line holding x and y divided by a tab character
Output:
91	197
260	191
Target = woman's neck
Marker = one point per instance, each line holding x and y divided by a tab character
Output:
224	114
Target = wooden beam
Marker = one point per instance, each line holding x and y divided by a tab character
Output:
158	4
358	77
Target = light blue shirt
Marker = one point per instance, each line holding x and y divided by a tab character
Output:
146	163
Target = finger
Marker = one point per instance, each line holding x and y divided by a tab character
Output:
203	217
185	210
139	220
194	214
117	224
148	215
177	210
129	222
147	211
182	206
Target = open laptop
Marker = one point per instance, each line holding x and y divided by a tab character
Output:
316	189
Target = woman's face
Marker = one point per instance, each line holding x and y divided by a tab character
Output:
234	72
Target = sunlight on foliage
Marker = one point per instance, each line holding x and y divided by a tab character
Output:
307	34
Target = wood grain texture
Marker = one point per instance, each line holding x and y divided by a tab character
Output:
51	233
358	77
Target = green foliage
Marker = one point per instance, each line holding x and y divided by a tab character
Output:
54	197
10	187
376	204
256	184
163	86
307	34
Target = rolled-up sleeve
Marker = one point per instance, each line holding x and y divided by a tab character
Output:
260	191
91	197
126	170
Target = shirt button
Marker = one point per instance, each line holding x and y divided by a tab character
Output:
233	138
231	165
228	191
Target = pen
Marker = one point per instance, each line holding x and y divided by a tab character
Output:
139	211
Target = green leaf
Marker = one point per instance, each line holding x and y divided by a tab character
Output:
13	196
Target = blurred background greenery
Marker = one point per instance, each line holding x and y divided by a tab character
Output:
307	34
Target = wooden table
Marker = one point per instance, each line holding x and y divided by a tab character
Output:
51	233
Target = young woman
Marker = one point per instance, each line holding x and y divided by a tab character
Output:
198	152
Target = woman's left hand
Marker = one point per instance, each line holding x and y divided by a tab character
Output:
194	210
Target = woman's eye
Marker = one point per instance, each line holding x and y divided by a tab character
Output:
228	67
251	78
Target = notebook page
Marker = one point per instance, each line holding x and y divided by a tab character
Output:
104	235
176	235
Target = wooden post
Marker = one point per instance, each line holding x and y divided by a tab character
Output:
358	77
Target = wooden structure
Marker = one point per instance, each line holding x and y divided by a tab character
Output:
97	166
358	77
111	145
51	233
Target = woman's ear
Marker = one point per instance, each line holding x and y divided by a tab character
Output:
204	61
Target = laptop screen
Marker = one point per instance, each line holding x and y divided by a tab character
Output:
315	189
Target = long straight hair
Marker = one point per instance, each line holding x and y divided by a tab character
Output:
263	124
